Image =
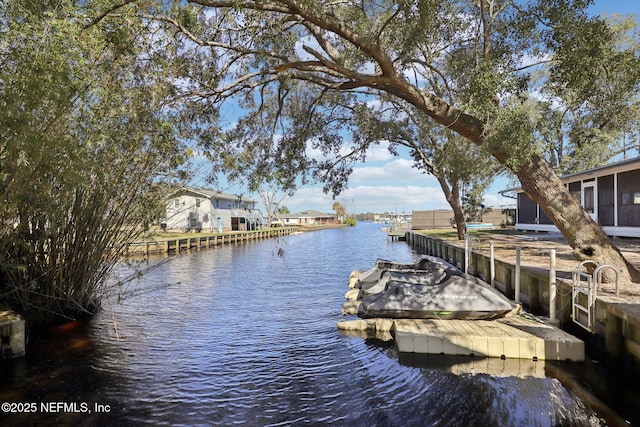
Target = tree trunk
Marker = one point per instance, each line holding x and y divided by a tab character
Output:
453	198
541	184
538	180
588	240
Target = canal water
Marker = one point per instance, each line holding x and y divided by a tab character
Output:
246	335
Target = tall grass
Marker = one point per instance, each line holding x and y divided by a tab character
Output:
58	249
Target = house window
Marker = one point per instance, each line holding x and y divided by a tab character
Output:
589	199
197	203
636	198
177	203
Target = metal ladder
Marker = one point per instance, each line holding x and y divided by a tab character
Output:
584	292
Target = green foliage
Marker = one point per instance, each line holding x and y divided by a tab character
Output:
351	222
512	131
339	209
93	138
283	210
301	76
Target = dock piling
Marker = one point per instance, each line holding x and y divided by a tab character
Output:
552	285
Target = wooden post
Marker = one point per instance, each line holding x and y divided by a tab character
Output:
466	254
517	280
552	285
492	264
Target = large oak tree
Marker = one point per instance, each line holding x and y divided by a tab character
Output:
464	64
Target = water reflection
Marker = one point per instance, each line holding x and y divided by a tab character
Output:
467	365
238	335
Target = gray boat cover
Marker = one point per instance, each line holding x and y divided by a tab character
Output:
437	290
426	264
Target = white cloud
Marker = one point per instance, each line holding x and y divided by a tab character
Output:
383	198
376	153
379	152
395	198
396	171
309	198
393	187
497	201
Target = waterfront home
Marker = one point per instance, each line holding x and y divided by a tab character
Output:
610	194
309	217
191	209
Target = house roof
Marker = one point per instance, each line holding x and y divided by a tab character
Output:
210	194
617	167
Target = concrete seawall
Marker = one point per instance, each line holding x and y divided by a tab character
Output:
615	335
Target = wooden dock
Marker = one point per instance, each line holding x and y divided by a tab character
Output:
396	235
197	242
510	337
397	231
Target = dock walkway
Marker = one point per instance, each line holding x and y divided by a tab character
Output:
511	337
197	242
614	320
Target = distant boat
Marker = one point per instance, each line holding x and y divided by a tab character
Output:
430	288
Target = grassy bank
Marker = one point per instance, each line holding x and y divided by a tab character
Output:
451	233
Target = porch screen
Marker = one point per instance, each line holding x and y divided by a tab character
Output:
527	210
629	199
605	200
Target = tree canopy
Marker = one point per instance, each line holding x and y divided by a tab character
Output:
98	115
87	136
577	134
466	65
300	68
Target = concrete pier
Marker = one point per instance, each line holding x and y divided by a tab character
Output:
12	335
511	337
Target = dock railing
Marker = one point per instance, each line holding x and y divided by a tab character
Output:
613	319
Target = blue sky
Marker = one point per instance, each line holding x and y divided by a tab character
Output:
389	184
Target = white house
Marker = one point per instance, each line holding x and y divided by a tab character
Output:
309	217
211	211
